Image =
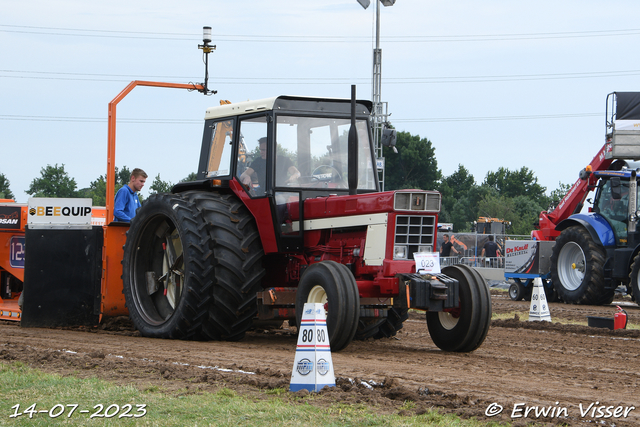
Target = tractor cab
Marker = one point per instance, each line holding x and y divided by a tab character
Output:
616	203
284	150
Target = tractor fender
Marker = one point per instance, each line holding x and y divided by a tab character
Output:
598	227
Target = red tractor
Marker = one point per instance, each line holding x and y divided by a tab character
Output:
286	209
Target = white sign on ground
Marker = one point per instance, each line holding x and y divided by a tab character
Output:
313	367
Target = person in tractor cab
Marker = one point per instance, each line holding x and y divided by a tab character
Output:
126	201
286	172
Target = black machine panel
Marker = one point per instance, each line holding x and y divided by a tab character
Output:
62	277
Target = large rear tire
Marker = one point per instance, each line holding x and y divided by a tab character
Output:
237	264
463	329
167	274
634	279
333	285
577	268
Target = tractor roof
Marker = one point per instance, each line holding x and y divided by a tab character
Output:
289	103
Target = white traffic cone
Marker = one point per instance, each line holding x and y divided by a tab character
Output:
313	367
539	310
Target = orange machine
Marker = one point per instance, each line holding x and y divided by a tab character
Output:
13	221
13	218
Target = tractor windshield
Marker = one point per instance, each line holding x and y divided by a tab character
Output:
312	153
613	205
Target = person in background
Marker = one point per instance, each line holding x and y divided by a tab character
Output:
491	250
447	247
126	200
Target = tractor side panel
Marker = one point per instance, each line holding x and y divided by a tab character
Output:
113	303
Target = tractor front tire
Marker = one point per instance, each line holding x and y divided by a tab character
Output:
333	285
577	268
167	272
463	329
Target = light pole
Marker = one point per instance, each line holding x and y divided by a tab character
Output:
380	114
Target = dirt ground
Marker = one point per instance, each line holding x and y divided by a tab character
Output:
522	366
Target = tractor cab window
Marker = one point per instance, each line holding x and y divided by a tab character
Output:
219	162
613	205
251	166
316	148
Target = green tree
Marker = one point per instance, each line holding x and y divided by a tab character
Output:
496	206
516	183
97	190
414	166
558	194
527	213
457	190
5	191
521	211
53	182
122	177
160	186
191	177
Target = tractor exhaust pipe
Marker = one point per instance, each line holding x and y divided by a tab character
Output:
352	150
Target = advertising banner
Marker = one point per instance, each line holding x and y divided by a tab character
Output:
10	217
521	256
59	213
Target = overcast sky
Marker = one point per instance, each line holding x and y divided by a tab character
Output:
490	84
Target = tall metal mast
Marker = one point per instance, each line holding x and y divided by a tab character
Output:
379	115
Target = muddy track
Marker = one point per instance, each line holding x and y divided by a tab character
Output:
520	365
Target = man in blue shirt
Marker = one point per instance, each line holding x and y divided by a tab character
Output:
127	201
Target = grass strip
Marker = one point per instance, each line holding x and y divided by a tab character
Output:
57	396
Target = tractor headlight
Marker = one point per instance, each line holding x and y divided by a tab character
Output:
399	252
424	248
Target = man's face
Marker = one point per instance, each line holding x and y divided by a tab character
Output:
263	150
137	182
446	238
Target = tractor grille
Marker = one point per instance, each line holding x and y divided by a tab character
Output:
416	232
417	201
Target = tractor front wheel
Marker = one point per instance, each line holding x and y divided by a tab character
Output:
463	329
333	285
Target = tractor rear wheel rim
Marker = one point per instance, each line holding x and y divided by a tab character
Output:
571	266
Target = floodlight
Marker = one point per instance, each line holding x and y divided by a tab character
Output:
364	3
388	2
206	35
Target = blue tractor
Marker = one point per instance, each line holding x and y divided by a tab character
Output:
598	251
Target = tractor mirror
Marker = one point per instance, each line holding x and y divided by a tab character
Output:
388	137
